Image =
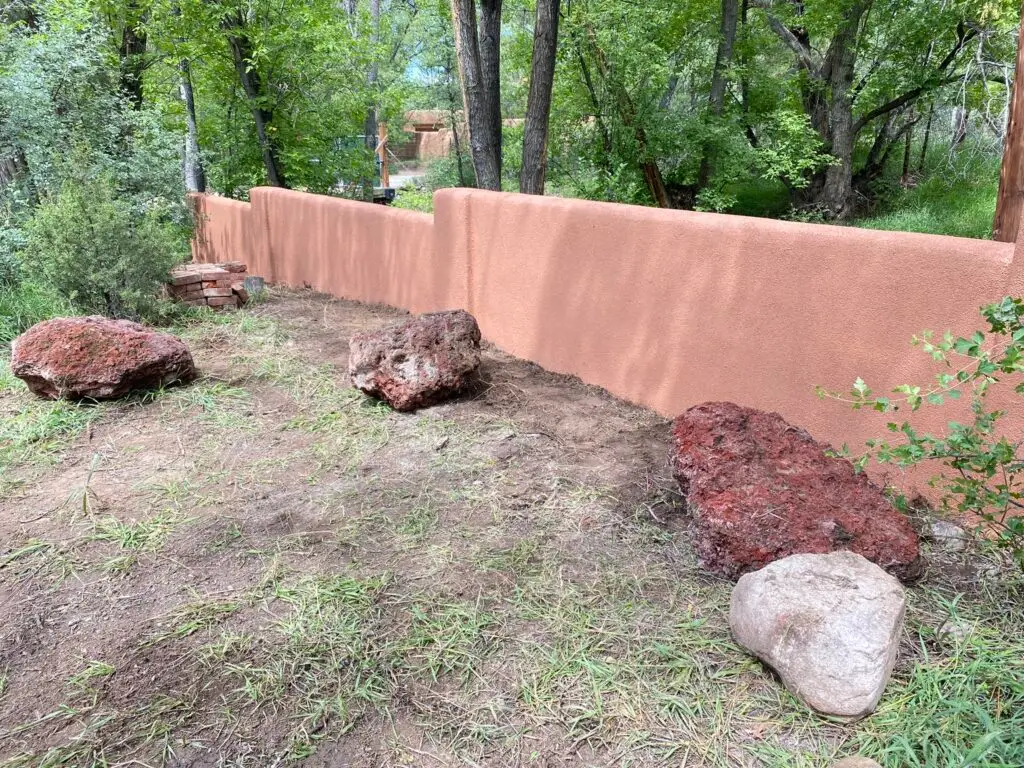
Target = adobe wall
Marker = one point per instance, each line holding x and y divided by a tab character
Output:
674	308
349	249
663	308
229	230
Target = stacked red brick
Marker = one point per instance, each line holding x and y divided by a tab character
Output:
210	285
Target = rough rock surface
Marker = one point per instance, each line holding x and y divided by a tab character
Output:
761	489
97	358
426	360
829	625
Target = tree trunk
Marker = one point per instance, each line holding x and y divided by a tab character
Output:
490	67
538	104
370	124
726	44
453	98
252	84
829	102
960	118
927	138
485	151
195	176
132	57
1011	175
907	145
588	81
716	100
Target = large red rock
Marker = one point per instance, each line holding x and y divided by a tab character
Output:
97	358
428	359
761	489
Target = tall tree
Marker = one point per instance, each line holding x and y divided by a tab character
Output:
259	101
1011	175
370	126
481	86
195	175
132	52
538	105
835	84
723	60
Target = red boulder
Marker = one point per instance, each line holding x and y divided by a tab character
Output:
97	358
761	489
428	359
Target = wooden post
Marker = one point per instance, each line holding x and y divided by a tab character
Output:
1011	175
382	153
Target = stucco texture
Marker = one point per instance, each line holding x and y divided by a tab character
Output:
673	308
667	309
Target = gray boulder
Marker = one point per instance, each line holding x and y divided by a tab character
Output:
829	625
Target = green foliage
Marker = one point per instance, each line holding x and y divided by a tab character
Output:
98	251
955	197
12	240
23	306
984	469
97	214
414	199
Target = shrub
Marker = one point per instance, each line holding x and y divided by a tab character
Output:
102	252
984	470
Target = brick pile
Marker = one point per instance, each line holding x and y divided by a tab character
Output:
218	286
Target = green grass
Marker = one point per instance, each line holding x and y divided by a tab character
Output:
958	201
413	199
323	658
500	614
34	431
23	307
962	704
443	638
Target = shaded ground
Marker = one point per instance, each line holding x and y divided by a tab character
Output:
266	568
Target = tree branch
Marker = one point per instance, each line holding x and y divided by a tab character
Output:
807	58
905	98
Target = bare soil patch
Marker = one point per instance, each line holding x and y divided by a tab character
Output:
267	568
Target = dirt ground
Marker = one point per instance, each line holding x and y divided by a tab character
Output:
266	568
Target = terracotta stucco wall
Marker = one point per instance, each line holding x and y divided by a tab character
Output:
229	230
350	249
672	308
664	308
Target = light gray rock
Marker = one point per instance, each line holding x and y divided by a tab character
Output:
856	762
955	631
829	625
947	536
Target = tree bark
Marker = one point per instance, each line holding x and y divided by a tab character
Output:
538	104
723	58
716	99
252	84
484	149
195	175
132	56
490	66
927	137
1011	175
836	196
908	142
370	124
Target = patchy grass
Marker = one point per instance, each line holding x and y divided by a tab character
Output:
34	432
955	197
266	568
